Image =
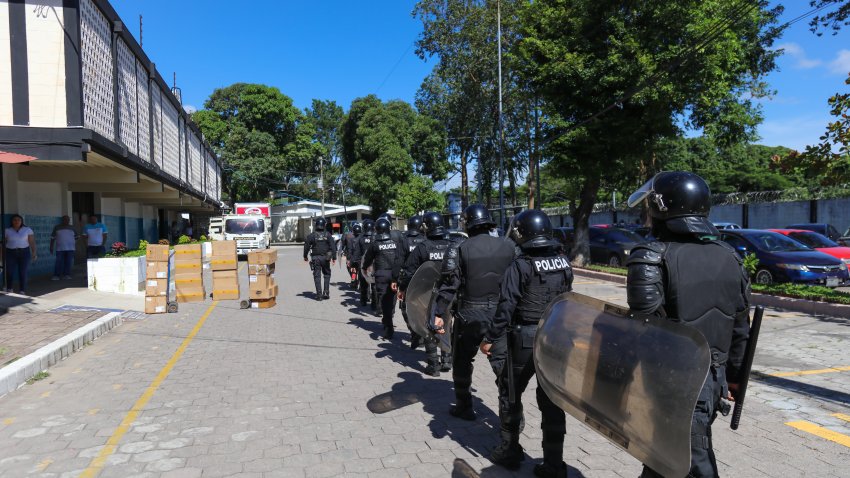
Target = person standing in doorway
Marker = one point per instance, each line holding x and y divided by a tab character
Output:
63	243
95	234
20	251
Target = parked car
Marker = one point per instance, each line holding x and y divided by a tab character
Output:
612	245
827	230
782	259
844	240
818	242
726	225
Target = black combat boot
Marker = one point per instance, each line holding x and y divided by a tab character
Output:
415	340
326	294
319	296
550	470
446	362
463	410
509	453
388	332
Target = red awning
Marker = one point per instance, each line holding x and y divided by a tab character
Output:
11	158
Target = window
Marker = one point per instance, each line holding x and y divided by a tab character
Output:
775	242
622	236
735	241
244	226
812	239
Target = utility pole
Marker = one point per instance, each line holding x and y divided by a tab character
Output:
501	125
322	182
140	30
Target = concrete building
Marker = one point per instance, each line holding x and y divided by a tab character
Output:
89	126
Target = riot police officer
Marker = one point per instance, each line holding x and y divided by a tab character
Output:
431	249
348	249
385	255
412	238
321	245
689	275
366	290
471	274
533	280
396	235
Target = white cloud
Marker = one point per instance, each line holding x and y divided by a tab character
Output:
841	63
793	132
796	52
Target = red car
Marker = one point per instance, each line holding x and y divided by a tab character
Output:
818	242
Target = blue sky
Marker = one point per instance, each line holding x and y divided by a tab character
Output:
340	50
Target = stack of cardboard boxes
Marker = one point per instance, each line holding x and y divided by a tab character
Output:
156	279
261	285
188	273
224	263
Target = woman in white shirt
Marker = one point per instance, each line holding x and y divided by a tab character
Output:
19	252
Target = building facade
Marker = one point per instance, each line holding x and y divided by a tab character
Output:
89	126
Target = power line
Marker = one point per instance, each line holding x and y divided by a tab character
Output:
394	67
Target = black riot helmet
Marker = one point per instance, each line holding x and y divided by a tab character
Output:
368	227
320	224
382	228
531	229
356	229
414	223
477	216
678	202
432	224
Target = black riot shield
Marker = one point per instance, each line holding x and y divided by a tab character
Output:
633	380
420	305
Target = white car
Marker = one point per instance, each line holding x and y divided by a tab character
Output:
726	225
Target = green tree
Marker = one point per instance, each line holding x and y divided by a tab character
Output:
385	144
616	79
833	19
326	116
263	139
417	194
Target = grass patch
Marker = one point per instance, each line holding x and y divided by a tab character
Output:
39	376
3	351
801	291
620	271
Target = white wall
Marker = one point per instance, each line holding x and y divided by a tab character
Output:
41	199
46	63
111	207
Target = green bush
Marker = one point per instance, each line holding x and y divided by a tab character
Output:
203	238
143	245
184	239
751	264
802	291
620	271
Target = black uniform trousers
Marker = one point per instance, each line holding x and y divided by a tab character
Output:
386	296
553	420
471	324
703	462
321	267
403	306
367	291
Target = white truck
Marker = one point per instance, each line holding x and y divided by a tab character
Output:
249	225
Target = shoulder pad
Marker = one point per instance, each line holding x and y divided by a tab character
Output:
647	253
451	259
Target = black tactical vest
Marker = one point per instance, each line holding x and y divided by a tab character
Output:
704	288
414	240
436	249
387	251
321	243
550	277
485	259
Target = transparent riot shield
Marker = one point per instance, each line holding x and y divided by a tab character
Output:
420	306
633	380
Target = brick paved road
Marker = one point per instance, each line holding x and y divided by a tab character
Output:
291	392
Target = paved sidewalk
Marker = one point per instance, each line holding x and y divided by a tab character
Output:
24	332
308	389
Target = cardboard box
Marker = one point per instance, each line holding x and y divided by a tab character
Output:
223	263
187	267
263	304
225	289
157	270
156	253
267	293
260	281
156	287
188	280
265	256
187	251
228	274
191	294
224	248
261	269
155	305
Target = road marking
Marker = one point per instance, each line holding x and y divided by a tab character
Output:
845	368
99	461
9	421
822	432
94	411
46	394
117	386
841	416
44	464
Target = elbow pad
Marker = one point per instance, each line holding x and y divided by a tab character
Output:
451	259
645	284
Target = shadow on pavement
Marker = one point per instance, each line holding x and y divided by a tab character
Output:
478	437
461	469
8	301
803	388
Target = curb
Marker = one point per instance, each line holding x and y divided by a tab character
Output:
786	303
18	372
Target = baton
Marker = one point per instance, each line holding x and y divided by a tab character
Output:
747	367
